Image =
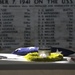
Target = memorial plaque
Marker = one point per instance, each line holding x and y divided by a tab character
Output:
40	23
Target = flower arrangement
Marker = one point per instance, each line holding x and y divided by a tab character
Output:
54	56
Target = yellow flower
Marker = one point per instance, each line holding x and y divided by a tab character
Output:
55	56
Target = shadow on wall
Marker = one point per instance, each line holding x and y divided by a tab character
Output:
65	52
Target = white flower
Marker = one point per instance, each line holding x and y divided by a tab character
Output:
57	51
